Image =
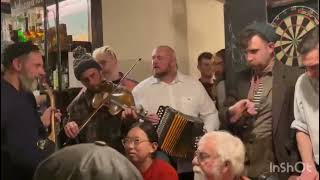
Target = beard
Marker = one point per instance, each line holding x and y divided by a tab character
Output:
28	84
159	75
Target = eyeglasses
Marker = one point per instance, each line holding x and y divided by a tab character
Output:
135	141
201	156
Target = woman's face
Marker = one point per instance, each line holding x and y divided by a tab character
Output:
137	146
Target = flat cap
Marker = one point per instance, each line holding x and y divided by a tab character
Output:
267	30
90	161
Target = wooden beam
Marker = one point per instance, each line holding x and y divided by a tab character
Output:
276	3
96	24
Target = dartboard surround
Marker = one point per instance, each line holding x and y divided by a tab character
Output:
291	25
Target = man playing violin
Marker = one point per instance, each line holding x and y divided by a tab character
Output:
169	87
103	126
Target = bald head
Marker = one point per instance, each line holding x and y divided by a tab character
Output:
164	62
168	49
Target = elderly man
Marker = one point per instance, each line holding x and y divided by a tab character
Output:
262	105
168	87
306	106
107	58
22	127
220	155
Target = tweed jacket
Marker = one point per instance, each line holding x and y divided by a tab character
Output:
283	137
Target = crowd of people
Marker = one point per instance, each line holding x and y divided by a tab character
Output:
264	126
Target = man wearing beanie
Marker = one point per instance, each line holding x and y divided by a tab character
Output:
260	107
22	128
89	161
103	126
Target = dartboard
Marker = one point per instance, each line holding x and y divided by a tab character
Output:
291	25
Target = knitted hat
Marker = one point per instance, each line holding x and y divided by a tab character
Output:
90	161
83	61
265	29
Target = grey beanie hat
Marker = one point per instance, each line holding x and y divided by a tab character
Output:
90	161
83	61
267	30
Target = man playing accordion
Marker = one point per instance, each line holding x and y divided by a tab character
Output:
169	87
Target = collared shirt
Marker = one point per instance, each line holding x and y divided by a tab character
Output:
184	94
306	110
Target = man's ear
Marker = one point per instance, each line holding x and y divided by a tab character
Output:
226	166
271	46
16	64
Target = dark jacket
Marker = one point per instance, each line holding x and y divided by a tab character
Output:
283	137
102	127
21	130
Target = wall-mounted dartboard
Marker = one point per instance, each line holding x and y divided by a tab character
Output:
291	25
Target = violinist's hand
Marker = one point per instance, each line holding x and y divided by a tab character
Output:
153	118
129	113
46	116
71	129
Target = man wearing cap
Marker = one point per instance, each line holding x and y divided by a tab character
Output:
260	107
103	126
22	127
88	161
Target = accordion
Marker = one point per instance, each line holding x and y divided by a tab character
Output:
178	133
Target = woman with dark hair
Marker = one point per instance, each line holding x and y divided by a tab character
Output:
141	144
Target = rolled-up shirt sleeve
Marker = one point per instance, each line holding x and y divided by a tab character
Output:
299	122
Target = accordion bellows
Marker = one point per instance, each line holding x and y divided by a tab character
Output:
177	132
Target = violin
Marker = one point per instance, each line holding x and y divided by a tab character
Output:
117	97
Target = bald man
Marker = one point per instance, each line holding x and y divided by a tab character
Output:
169	87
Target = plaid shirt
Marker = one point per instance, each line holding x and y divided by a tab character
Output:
102	127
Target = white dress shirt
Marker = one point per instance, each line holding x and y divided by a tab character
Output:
184	94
